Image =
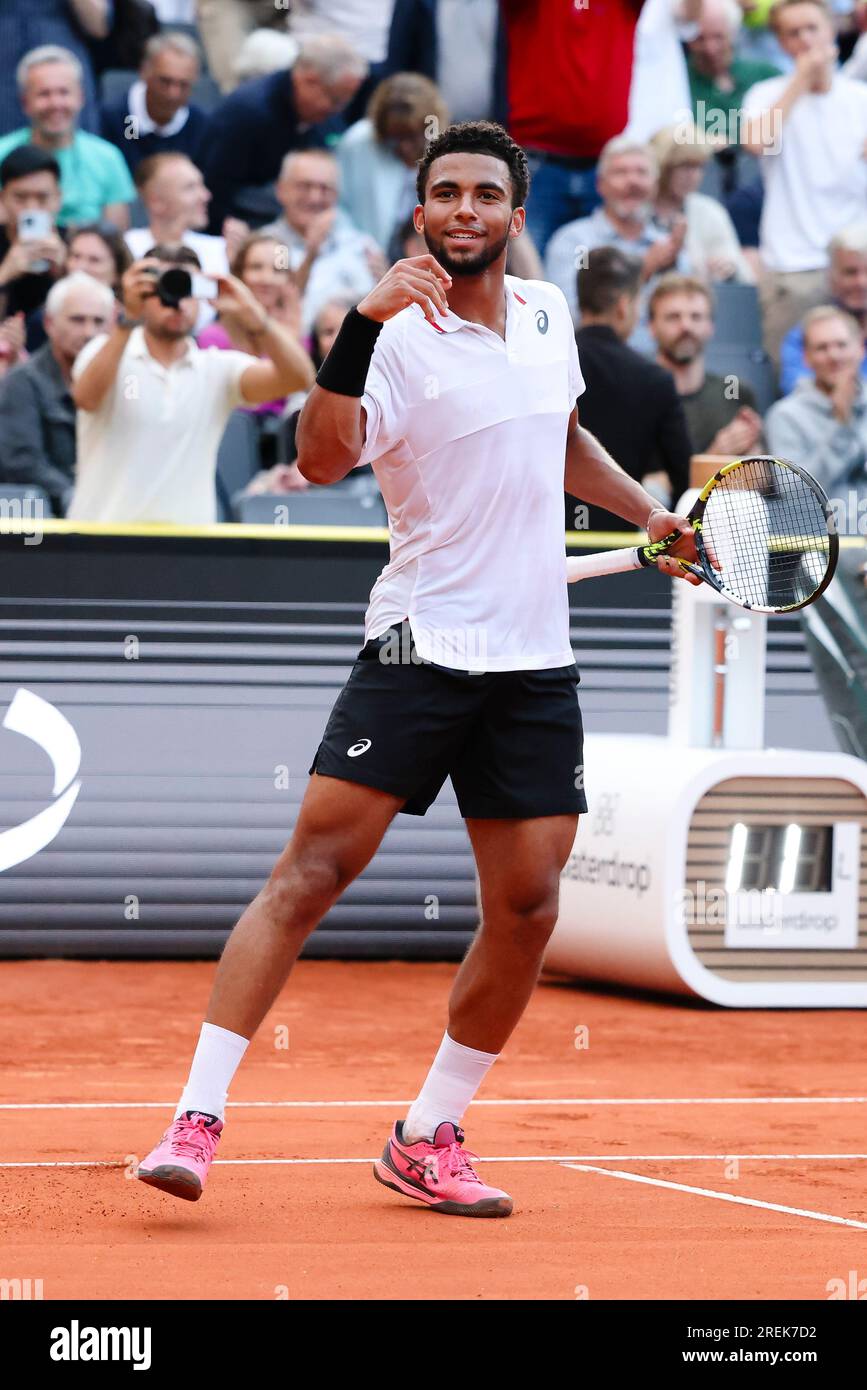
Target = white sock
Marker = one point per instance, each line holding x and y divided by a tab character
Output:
217	1057
456	1075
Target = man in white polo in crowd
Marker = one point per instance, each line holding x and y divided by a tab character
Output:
809	131
152	406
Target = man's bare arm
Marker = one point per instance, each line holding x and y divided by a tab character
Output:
330	435
761	134
593	476
90	389
98	377
331	429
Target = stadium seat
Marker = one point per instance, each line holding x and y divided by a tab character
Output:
749	364
727	170
737	318
115	83
237	460
206	94
712	180
138	215
317	507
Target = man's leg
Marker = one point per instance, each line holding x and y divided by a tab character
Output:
784	298
339	828
519	863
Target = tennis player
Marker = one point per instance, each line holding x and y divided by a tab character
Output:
457	383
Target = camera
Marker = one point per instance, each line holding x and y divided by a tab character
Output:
175	284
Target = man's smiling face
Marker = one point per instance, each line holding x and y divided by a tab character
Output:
467	217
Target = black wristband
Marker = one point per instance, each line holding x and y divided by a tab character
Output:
344	370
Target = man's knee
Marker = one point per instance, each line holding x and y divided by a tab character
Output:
528	915
302	887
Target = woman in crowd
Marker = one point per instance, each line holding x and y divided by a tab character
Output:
262	263
284	476
378	155
712	244
98	249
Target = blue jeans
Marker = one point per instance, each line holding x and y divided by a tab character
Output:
557	195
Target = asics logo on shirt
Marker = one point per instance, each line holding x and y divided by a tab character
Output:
358	748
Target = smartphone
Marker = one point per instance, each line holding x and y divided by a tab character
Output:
34	225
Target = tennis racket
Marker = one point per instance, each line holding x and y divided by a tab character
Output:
765	537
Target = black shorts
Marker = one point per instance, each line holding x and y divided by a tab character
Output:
511	741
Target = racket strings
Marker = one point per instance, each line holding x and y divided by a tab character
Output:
766	533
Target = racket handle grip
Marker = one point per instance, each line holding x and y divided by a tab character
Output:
608	562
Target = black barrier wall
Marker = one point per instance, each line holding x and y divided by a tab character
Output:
161	698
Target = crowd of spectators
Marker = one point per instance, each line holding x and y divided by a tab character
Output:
698	192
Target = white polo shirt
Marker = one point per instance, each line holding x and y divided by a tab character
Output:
467	437
816	181
149	453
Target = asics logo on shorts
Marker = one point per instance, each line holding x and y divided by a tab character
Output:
358	748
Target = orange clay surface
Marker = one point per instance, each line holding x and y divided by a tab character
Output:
87	1034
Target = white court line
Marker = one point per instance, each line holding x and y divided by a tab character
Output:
720	1196
585	1102
565	1159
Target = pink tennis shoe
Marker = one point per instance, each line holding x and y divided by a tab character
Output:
439	1174
179	1164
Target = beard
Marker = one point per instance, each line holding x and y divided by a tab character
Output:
470	264
629	210
684	349
169	334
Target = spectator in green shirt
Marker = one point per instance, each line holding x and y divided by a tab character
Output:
94	180
717	79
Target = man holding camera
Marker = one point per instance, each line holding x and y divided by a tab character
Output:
152	406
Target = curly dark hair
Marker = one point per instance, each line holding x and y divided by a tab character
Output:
478	137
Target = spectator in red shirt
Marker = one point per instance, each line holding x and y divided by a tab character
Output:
569	71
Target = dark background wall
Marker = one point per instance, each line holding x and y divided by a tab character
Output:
198	673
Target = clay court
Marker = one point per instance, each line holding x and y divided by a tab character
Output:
601	1145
